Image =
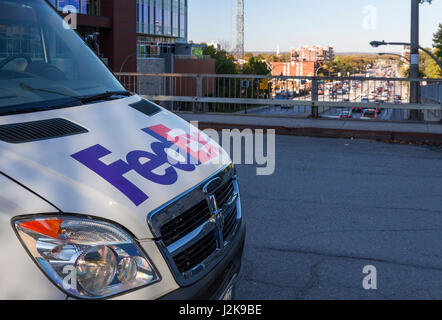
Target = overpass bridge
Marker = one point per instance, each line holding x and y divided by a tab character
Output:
299	105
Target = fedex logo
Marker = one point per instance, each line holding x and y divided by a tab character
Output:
173	151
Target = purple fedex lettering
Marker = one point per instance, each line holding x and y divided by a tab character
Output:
112	173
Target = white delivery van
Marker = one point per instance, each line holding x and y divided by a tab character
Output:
103	194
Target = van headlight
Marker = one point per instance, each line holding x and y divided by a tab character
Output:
86	258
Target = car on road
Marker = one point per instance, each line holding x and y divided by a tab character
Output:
333	94
345	115
104	194
369	114
357	109
385	97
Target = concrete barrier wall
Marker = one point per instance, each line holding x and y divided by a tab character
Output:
150	85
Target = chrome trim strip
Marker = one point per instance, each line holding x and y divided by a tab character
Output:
190	239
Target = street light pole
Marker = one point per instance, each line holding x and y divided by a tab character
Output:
394	54
414	48
383	43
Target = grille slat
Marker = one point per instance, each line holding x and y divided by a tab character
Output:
224	194
186	223
196	254
39	130
229	224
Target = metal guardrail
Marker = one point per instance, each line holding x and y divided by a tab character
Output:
298	96
432	92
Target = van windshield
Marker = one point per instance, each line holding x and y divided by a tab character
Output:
44	64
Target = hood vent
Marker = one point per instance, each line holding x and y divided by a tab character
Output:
39	130
146	107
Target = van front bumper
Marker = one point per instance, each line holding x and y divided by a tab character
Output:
214	285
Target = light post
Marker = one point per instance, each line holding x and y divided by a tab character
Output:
414	51
321	67
376	44
414	65
394	54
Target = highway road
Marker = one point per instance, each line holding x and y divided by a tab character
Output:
356	93
335	206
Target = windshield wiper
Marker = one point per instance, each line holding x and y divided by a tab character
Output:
83	100
105	95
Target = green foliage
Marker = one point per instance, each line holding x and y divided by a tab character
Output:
352	64
256	66
224	62
437	42
428	67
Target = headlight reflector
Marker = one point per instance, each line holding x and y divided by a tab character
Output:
86	258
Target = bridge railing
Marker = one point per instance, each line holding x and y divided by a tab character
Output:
432	92
282	95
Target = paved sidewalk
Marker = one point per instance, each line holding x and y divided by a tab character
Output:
368	129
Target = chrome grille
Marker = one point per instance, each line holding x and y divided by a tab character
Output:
189	238
194	217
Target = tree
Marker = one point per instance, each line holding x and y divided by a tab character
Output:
437	42
352	64
428	68
256	66
224	62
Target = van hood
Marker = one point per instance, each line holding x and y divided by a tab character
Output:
125	164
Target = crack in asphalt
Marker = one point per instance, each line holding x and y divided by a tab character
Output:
364	230
342	256
312	282
339	204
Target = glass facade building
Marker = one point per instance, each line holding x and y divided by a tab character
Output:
159	26
165	18
90	7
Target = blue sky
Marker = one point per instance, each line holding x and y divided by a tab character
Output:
290	23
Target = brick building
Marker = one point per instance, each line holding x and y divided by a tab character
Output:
294	69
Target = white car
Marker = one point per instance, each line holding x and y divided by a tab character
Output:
104	194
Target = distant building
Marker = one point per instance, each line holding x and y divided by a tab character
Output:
315	54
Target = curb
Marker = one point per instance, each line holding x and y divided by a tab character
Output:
390	136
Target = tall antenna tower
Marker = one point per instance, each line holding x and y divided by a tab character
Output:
240	28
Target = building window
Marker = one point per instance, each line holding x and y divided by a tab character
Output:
89	7
159	17
183	19
175	12
167	17
151	17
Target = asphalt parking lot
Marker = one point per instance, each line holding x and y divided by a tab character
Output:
334	206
